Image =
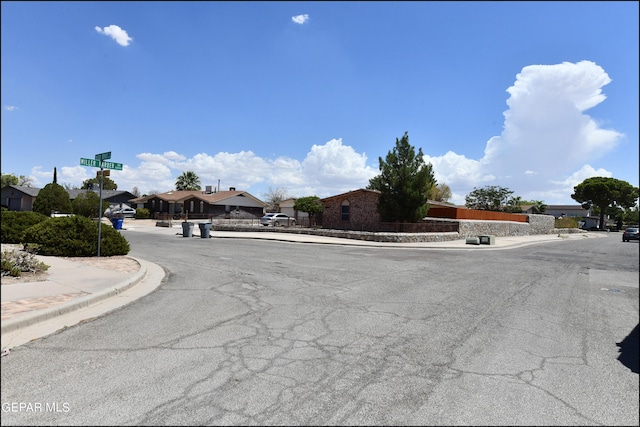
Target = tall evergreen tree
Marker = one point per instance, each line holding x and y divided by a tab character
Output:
404	183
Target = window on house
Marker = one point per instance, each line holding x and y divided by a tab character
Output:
345	211
160	205
201	206
191	206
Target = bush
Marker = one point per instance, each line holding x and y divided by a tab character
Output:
15	223
14	263
75	236
567	222
143	213
87	204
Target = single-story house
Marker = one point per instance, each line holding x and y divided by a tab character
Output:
286	207
567	211
587	219
358	210
20	198
202	204
110	197
354	210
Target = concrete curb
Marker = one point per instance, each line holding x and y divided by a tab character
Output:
39	316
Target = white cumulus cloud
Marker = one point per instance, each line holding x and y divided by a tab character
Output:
546	130
327	169
118	34
300	19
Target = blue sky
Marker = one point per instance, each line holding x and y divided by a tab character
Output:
306	96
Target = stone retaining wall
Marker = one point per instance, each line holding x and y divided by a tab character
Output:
474	228
541	224
538	224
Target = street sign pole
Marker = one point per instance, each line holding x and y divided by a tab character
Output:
99	162
100	214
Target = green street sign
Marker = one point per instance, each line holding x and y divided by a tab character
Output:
103	156
89	162
111	165
99	164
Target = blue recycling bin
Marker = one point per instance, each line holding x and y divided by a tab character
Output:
117	223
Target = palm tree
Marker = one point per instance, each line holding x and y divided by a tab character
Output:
188	181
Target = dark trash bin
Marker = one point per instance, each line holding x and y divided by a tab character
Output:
117	223
187	229
205	229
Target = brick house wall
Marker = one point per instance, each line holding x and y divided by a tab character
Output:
361	207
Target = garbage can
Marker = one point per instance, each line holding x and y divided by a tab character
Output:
117	223
187	229
205	228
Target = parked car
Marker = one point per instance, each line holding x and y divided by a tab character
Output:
277	219
121	212
630	233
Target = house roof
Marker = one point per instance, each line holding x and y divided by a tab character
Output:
347	194
177	196
365	190
106	194
555	207
30	191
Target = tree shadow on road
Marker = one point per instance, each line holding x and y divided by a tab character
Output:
629	350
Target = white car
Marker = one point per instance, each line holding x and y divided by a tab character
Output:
122	212
277	219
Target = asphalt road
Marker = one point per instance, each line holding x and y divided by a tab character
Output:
250	332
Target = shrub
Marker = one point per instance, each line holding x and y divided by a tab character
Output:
75	236
53	197
15	223
567	222
87	204
14	263
143	213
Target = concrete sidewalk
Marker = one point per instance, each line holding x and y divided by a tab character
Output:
76	289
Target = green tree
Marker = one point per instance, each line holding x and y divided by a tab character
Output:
404	183
53	197
188	181
513	205
9	179
12	179
488	198
94	183
310	204
631	216
603	193
88	204
440	193
537	206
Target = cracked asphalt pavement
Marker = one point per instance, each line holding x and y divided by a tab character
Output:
251	332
